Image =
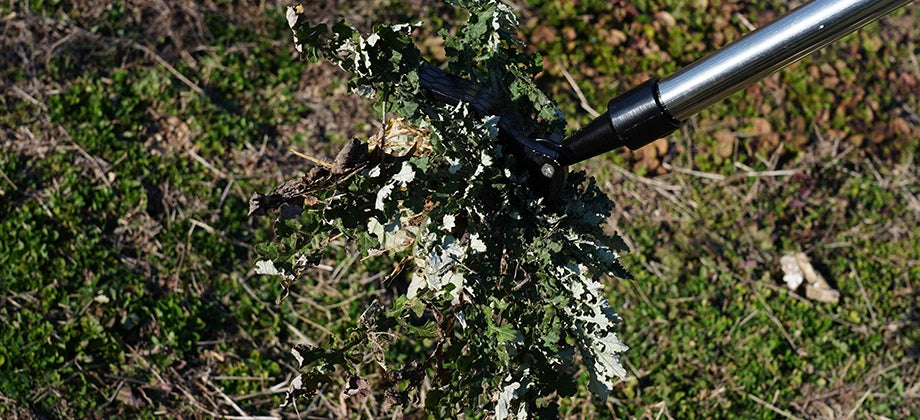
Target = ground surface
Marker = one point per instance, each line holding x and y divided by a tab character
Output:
134	132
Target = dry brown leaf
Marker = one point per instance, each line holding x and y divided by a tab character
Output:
761	126
725	143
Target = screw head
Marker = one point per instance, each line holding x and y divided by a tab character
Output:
547	170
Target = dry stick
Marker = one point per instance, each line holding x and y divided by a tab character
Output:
755	189
842	376
772	407
92	160
782	329
698	174
741	323
647	181
169	68
202	225
865	295
206	164
96	38
311	302
228	399
581	96
744	21
913	59
343	268
225	193
859	403
241	378
663	410
317	161
182	389
912	202
769	311
118	388
312	323
752	173
678	203
300	335
8	180
776	173
24	95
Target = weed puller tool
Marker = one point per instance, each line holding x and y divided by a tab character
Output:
656	108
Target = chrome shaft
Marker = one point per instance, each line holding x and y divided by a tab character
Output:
765	50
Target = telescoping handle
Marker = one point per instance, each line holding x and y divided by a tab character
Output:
655	108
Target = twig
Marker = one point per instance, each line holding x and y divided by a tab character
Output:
581	96
677	202
743	321
118	388
278	388
859	403
912	201
97	38
241	378
913	59
777	173
699	174
300	335
8	180
313	323
169	68
225	193
514	6
744	21
752	173
343	267
225	397
772	407
100	173
181	388
782	329
206	164
865	295
647	181
312	159
24	95
202	225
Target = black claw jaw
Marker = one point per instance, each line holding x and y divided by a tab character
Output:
539	156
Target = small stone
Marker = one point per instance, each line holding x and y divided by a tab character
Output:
793	275
817	287
725	143
822	294
666	19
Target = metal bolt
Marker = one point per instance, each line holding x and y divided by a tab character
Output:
547	170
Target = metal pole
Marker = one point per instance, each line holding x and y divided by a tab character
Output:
765	50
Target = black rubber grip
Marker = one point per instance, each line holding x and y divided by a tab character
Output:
633	119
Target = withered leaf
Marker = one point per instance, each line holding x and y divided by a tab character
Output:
356	385
295	192
353	155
